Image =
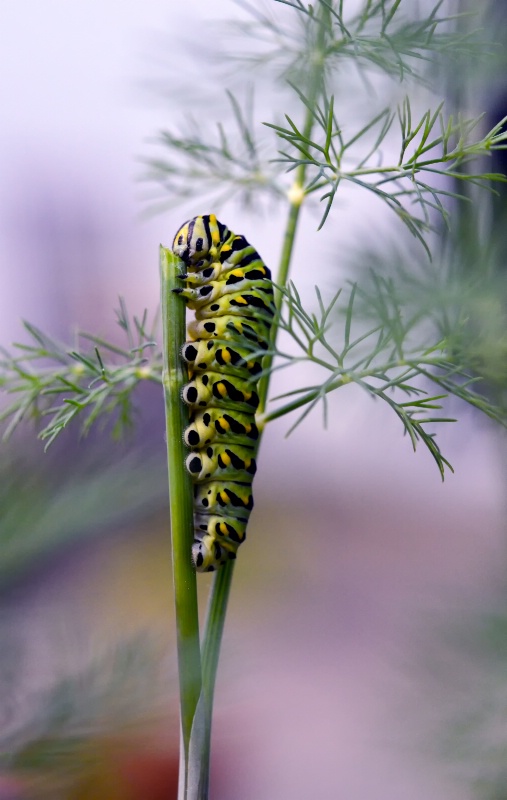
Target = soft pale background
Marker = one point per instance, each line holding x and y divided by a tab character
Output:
359	551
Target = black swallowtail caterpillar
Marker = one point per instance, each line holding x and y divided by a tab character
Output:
229	287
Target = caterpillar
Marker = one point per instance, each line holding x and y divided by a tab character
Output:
229	287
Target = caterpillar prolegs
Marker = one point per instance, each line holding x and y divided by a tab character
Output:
229	287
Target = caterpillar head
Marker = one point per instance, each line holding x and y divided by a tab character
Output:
198	241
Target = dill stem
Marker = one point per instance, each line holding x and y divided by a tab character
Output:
212	642
180	501
296	197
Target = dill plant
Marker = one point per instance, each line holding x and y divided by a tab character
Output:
391	349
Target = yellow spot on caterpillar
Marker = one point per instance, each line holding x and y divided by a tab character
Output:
224	497
215	236
242	300
226	459
223	423
221	389
226	355
223	528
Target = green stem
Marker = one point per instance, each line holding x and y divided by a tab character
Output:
214	628
212	643
296	197
180	497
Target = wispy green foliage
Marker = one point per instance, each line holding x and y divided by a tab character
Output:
222	164
47	380
460	296
394	357
307	45
431	146
395	360
381	36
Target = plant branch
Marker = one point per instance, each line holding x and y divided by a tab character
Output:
45	379
181	499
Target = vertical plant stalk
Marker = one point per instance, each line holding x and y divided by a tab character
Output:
211	645
220	591
296	196
180	501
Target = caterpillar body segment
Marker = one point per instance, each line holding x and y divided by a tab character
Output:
220	425
250	304
229	287
209	553
230	462
228	272
233	498
230	531
211	290
213	389
217	354
250	331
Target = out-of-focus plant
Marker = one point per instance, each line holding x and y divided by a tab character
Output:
36	520
47	379
311	152
460	673
77	737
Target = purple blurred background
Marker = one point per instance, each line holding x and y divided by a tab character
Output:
337	676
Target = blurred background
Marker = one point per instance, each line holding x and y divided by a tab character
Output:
364	654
